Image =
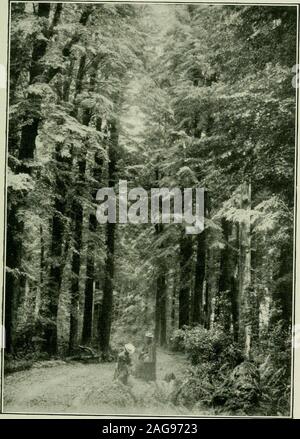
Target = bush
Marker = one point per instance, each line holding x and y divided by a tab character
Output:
218	375
244	387
30	335
276	370
210	346
177	340
198	386
22	361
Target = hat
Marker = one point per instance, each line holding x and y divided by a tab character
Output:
149	335
129	348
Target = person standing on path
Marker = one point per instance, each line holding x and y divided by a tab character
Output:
124	364
148	358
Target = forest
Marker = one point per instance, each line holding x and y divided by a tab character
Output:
177	96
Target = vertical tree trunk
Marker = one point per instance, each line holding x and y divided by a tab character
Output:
185	256
89	286
157	312
224	294
245	270
200	268
56	250
55	276
235	284
254	296
161	289
173	303
87	327
207	306
161	310
77	209
105	318
39	296
197	303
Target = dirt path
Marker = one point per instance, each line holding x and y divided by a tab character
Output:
79	388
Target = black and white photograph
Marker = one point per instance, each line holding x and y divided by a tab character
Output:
151	161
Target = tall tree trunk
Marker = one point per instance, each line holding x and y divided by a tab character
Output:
197	303
207	306
161	310
254	296
77	209
197	314
235	311
157	312
39	296
55	277
173	301
224	294
161	292
245	270
105	318
56	250
185	256
87	327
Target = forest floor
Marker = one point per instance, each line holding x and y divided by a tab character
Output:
58	387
